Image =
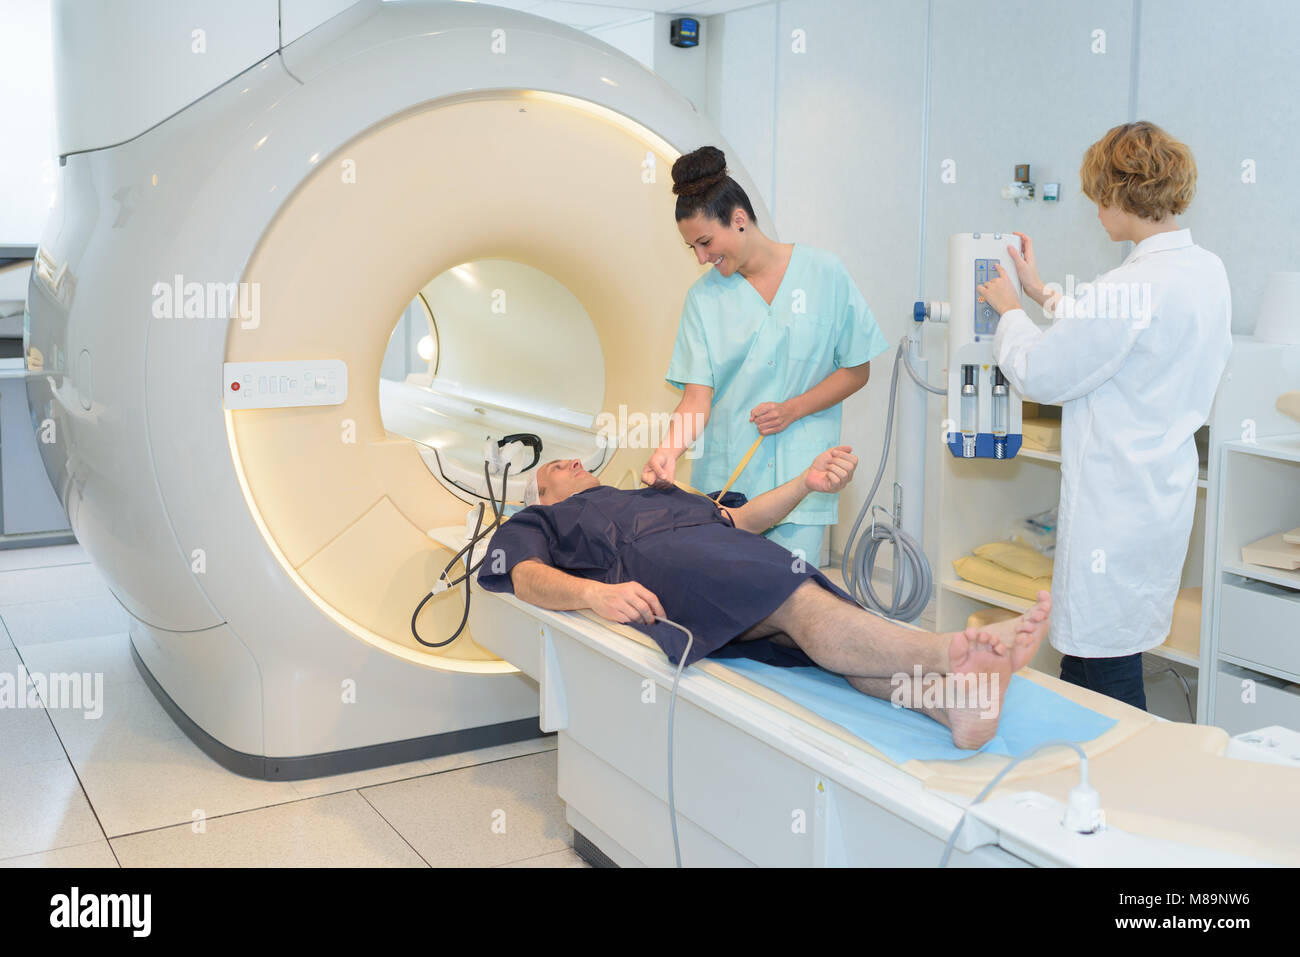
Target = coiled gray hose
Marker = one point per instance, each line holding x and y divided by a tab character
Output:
914	576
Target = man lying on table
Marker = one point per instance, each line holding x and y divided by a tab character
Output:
633	556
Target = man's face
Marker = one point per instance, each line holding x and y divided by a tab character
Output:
559	479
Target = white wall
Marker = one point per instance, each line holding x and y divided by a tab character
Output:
27	153
107	96
741	97
645	38
686	68
635	38
836	136
1225	77
843	183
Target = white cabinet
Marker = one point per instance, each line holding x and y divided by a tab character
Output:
1251	631
1246	700
1259	625
1248	616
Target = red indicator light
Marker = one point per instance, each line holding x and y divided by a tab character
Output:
234	387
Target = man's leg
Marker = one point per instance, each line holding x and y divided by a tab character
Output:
974	719
875	654
851	641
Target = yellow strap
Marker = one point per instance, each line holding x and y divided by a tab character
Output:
731	481
739	468
686	488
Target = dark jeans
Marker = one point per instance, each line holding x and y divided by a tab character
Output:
1117	677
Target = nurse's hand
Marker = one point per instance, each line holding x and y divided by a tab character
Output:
772	417
1027	269
660	471
832	470
625	602
999	293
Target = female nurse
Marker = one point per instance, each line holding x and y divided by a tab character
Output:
771	340
1133	359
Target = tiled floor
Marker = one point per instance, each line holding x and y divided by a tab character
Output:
129	789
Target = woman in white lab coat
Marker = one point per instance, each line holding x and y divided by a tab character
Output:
1134	360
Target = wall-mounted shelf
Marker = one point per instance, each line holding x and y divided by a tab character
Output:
1173	654
1202	479
987	595
1274	576
1024	453
1263	669
1283	447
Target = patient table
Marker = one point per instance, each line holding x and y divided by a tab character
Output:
761	780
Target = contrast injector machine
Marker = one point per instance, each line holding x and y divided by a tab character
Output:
984	412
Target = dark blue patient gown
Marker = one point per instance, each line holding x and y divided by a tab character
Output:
710	577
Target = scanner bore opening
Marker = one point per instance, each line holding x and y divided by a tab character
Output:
485	350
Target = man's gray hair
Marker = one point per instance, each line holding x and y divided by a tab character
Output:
531	495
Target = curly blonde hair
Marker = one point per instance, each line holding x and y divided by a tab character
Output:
1141	169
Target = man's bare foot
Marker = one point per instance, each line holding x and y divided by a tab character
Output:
1022	635
974	724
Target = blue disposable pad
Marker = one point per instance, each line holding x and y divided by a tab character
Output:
1031	715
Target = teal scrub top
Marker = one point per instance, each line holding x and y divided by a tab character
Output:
750	352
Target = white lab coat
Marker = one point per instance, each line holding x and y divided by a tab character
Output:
1132	393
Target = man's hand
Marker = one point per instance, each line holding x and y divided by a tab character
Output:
624	603
999	293
660	471
832	470
829	472
772	417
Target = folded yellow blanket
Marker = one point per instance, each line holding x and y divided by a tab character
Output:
980	571
1043	435
1017	557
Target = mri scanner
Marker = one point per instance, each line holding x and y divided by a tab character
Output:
208	323
270	548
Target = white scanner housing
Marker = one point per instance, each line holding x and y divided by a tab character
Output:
270	542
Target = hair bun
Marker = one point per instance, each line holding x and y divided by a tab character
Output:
699	171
